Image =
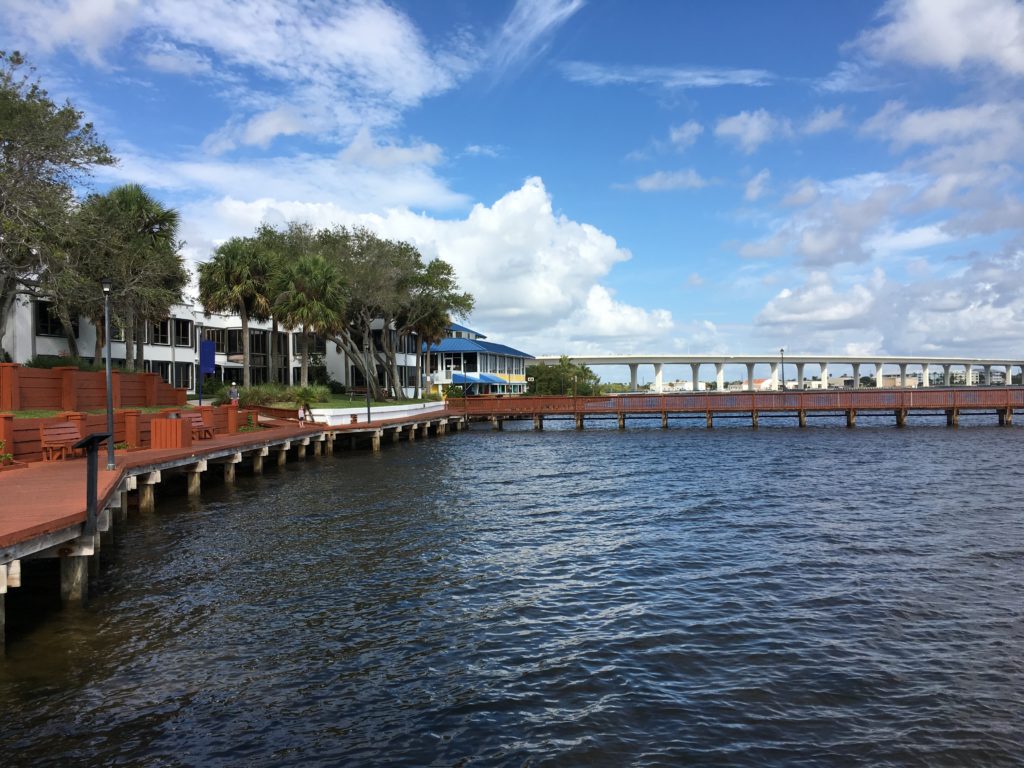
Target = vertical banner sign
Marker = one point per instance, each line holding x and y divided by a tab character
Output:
207	363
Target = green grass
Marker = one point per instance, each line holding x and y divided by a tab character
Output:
42	413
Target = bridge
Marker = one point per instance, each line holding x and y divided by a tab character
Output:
824	363
952	402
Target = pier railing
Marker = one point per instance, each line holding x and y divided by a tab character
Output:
964	398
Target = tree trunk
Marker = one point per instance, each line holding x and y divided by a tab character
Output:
304	375
419	369
246	375
129	341
272	355
8	293
69	335
140	346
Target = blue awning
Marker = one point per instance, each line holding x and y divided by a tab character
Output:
477	378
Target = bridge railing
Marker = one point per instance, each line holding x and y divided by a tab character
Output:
746	402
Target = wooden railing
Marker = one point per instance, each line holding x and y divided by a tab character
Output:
960	398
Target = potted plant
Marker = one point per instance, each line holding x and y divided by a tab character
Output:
7	458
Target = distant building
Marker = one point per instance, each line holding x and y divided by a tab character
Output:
465	358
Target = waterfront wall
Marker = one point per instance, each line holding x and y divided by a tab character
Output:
69	389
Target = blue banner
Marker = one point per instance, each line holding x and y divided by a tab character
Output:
207	356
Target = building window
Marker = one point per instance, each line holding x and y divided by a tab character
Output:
234	346
47	322
218	337
163	367
116	333
160	333
183	375
318	346
182	333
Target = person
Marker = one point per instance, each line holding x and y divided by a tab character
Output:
305	415
233	394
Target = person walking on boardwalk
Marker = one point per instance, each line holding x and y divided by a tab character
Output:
233	394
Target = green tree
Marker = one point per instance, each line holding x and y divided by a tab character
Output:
237	279
46	151
566	378
310	296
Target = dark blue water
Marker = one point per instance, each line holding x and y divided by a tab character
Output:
781	597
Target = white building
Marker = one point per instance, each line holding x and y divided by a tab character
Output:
171	347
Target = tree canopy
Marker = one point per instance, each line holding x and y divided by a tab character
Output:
566	378
46	150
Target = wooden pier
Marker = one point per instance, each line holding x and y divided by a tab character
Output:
43	513
952	402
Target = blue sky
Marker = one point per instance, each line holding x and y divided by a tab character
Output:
835	177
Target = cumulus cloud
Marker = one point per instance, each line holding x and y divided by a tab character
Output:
823	121
950	34
685	135
757	185
752	129
818	303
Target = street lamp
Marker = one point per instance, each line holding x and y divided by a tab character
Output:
366	365
106	282
782	367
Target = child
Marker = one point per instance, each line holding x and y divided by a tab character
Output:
233	394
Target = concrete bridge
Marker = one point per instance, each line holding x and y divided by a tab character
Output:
824	364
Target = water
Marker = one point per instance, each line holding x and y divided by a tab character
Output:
782	597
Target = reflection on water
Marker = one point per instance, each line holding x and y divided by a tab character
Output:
647	597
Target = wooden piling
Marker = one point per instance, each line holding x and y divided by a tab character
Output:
74	578
851	418
753	419
538	422
802	418
622	421
901	417
952	417
579	421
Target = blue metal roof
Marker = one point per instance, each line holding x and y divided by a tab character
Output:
475	345
464	329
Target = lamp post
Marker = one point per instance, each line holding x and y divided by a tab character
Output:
106	282
366	365
782	367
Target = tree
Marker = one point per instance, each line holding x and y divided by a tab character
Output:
566	378
45	152
237	279
311	296
130	237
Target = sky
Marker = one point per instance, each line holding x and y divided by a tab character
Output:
606	177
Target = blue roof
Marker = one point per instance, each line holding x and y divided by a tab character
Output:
464	329
475	345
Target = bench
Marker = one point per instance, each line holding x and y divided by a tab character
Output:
57	440
200	429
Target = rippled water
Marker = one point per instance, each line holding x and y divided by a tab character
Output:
779	597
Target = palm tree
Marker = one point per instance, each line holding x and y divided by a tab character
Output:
237	279
310	296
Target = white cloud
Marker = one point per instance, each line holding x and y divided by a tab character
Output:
164	56
481	150
672	78
950	34
913	239
757	185
89	27
823	121
527	31
695	280
663	181
752	129
685	135
817	303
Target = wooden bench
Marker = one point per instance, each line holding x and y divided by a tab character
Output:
200	429
56	440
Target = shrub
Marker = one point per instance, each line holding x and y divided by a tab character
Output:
314	393
262	394
337	388
53	361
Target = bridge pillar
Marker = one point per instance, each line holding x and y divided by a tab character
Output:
720	376
775	376
988	375
750	376
903	375
947	375
856	375
695	376
967	374
1009	375
658	384
824	374
538	422
633	383
878	374
925	374
799	375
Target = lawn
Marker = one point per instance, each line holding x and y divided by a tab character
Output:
42	413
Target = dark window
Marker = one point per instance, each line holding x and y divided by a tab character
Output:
182	333
116	333
160	333
234	341
183	375
318	346
47	322
218	337
163	367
